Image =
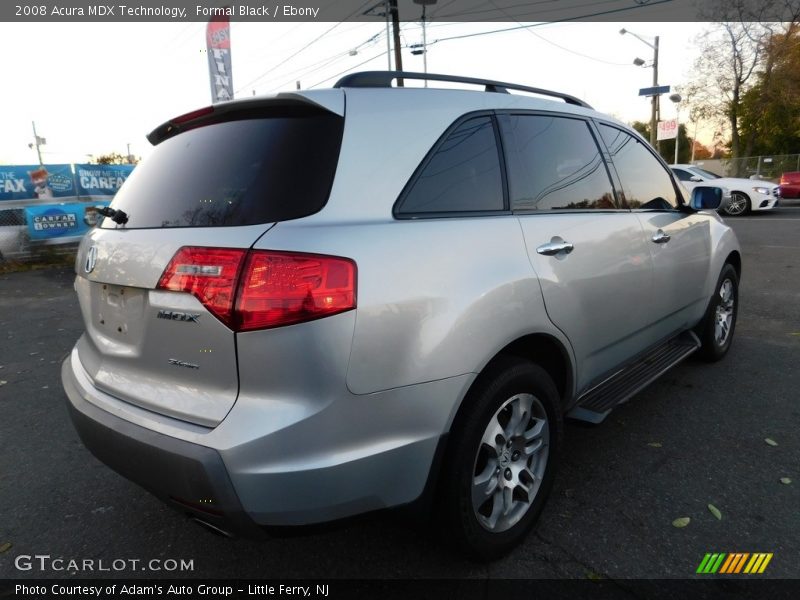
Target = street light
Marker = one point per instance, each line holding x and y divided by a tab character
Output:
676	98
640	63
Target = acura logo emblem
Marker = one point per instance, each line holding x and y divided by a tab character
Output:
91	259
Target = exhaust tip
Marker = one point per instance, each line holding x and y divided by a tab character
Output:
211	528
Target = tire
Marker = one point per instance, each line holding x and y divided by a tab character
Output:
509	490
738	206
719	323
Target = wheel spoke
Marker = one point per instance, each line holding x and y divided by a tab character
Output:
508	500
484	484
535	431
490	439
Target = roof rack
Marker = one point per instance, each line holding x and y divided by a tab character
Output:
370	79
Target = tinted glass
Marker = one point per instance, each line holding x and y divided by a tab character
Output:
554	163
705	174
682	175
463	174
240	172
645	182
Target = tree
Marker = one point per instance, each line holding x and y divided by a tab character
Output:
734	56
114	158
771	108
667	147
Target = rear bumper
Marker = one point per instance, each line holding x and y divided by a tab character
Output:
267	466
189	477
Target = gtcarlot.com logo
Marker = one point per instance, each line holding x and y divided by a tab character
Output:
734	563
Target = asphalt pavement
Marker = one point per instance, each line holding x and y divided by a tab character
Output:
695	437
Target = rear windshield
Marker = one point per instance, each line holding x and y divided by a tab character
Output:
237	172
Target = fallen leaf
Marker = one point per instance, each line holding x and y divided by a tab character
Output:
715	511
3	382
5	547
770	442
654	444
786	480
681	522
594	576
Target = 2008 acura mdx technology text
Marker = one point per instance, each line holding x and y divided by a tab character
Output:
322	303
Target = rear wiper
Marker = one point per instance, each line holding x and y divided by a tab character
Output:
118	216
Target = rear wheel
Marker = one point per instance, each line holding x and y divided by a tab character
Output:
502	459
738	205
719	323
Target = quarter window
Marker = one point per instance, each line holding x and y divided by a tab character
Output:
645	182
463	174
554	164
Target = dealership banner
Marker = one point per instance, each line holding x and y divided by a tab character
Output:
218	45
31	182
100	180
53	221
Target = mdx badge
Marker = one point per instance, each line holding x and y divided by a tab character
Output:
171	315
91	259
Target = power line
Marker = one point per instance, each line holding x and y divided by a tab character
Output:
544	39
348	70
268	71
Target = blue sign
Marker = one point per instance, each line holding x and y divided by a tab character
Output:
654	91
101	180
52	221
31	182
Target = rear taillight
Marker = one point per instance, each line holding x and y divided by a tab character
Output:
261	288
209	274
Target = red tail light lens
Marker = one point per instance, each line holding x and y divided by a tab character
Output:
209	274
282	288
260	289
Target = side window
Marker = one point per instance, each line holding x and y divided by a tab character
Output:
682	175
645	182
463	175
554	164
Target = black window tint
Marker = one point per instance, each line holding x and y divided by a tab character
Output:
554	163
463	174
645	182
241	172
682	175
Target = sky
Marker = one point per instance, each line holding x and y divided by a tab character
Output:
94	88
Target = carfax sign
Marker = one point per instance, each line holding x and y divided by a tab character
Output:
51	221
101	180
31	182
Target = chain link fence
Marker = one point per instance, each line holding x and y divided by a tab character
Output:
17	250
758	167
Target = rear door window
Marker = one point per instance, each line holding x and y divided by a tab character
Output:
236	172
461	176
554	163
646	183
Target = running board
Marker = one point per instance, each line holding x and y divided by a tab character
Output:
593	406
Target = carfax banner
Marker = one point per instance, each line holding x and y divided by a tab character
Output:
31	182
101	180
51	221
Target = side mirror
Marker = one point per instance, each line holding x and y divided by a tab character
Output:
695	178
707	197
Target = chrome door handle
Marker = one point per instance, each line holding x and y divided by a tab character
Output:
660	237
553	248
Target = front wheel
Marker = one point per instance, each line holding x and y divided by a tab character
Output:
502	458
738	205
719	323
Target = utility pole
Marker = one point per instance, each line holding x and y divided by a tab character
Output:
655	116
398	58
37	141
388	36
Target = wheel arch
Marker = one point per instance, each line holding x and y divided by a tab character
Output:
542	349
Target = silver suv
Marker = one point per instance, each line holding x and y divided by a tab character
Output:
317	304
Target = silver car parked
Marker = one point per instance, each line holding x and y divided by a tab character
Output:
317	304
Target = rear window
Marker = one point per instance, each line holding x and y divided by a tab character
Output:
237	172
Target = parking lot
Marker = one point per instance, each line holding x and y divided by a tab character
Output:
695	437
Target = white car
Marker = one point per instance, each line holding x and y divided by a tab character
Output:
746	194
